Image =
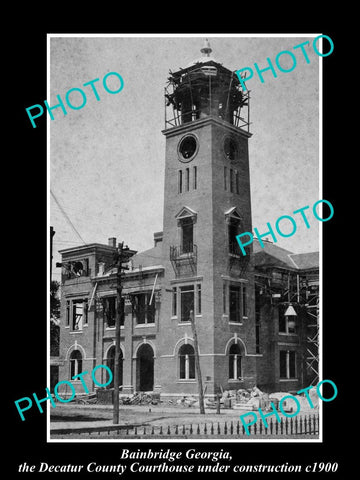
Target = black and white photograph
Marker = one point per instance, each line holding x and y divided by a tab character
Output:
147	198
187	223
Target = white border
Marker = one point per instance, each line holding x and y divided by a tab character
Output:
187	35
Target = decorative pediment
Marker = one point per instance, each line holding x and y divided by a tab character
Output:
234	213
185	212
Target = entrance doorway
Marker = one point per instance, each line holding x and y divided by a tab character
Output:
111	365
145	368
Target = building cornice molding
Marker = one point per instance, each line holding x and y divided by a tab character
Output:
191	126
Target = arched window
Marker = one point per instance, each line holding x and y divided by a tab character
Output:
187	362
235	362
75	363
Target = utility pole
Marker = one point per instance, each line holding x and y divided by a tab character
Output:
197	364
122	255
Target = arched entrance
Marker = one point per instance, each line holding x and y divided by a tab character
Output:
145	368
111	365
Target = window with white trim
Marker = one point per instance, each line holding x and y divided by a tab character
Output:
79	314
75	363
186	302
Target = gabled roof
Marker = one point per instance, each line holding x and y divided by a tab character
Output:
233	212
272	255
306	260
185	212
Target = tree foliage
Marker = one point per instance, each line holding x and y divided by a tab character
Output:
54	318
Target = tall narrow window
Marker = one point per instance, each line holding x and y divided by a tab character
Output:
287	364
110	311
244	301
150	309
187	230
174	302
77	315
194	178
186	302
144	311
283	364
233	231
224	299
139	308
231	180
187	179
187	362
198	302
237	186
292	364
225	178
86	310
234	303
235	362
180	181
257	319
67	318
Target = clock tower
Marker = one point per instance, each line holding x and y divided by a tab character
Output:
206	204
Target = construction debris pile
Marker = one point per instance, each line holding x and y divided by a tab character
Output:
140	398
242	399
253	399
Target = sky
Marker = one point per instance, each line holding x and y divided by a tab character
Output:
106	160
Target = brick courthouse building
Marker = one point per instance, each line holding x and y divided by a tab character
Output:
246	332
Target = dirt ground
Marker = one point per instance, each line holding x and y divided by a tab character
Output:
75	416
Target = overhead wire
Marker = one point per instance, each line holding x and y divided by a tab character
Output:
67	217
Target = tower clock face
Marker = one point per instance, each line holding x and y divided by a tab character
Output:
230	148
187	148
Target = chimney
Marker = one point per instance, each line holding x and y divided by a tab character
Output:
112	242
158	237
